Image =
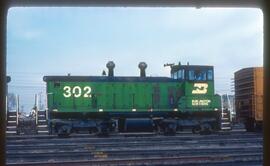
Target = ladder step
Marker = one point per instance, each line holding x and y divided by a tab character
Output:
12	116
43	131
42	120
11	132
11	121
42	126
41	111
12	113
11	127
226	128
222	123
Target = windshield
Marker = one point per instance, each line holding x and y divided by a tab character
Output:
200	75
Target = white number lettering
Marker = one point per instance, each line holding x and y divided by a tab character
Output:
87	91
77	91
67	92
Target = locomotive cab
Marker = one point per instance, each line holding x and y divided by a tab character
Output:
198	85
198	99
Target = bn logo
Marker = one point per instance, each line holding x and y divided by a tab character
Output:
200	88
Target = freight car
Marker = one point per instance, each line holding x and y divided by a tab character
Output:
249	97
111	103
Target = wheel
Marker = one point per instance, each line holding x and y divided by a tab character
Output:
64	131
93	130
121	124
206	129
158	128
250	125
170	129
196	129
103	129
258	127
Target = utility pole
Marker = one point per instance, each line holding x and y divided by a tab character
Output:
36	108
17	109
40	104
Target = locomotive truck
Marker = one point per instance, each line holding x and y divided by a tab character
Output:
105	104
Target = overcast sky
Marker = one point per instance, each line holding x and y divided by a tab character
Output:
80	41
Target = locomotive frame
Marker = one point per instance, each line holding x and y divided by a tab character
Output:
107	103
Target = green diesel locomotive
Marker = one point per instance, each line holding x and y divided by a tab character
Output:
105	104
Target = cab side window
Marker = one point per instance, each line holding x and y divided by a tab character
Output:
210	75
181	74
174	75
191	75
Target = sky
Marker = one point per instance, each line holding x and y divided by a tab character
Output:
80	41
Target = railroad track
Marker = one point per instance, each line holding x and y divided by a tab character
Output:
215	160
183	149
116	135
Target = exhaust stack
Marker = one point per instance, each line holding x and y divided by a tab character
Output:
142	66
110	65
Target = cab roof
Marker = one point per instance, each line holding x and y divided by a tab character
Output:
175	68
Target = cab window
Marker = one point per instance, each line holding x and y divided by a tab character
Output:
181	74
191	75
197	75
210	75
175	75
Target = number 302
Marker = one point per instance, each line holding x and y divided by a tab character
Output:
77	91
